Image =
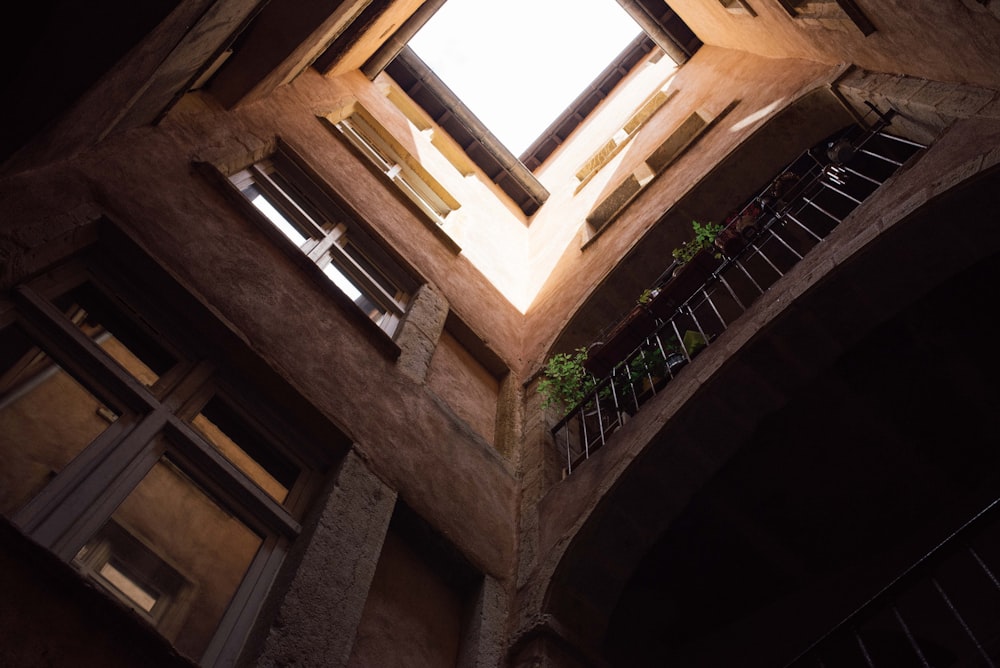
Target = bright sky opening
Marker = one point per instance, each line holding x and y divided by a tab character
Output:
518	64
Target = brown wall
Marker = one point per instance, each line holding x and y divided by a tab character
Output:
468	387
943	41
412	619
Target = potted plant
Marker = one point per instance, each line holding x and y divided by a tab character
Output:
565	381
647	295
696	260
704	239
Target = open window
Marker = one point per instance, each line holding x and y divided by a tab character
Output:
377	145
738	7
309	217
829	14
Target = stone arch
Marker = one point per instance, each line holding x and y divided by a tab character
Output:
922	233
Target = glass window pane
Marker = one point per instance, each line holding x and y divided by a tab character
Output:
278	220
364	302
246	449
174	555
370	268
94	313
46	419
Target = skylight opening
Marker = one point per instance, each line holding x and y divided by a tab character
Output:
517	65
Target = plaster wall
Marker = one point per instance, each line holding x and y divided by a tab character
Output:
943	41
699	433
468	387
143	181
412	618
742	91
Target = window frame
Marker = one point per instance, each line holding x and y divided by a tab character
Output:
375	144
334	235
154	422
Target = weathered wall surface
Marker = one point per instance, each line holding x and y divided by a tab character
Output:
696	438
412	618
465	384
951	41
757	86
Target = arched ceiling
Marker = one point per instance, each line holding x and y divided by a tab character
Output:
889	356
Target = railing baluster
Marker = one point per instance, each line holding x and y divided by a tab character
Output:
841	193
677	333
708	298
784	243
766	259
982	565
816	206
600	418
902	140
882	157
864	176
909	637
806	229
961	620
569	455
697	323
732	294
864	650
740	266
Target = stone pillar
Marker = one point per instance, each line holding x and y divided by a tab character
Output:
508	422
319	614
483	643
420	331
546	645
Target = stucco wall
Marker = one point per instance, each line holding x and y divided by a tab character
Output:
944	41
468	387
144	183
412	618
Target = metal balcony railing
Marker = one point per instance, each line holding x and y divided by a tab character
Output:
760	243
941	611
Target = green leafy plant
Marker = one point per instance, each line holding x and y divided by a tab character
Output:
565	382
704	238
652	361
647	295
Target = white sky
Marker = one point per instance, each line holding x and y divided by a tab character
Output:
479	48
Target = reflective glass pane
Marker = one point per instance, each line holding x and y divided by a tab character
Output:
46	419
133	348
174	555
246	449
364	302
278	220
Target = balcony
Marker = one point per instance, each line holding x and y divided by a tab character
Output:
939	611
689	306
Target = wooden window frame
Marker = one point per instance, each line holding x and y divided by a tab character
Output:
378	146
622	137
334	235
153	422
844	11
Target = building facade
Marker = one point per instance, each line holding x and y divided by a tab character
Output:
275	308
